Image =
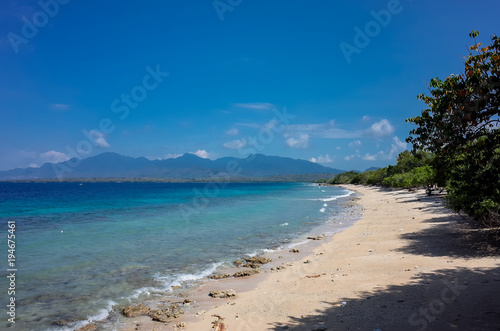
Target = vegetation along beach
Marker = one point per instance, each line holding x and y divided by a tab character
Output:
249	165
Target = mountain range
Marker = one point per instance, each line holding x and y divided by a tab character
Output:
113	165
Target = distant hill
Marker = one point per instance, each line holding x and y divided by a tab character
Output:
372	168
112	165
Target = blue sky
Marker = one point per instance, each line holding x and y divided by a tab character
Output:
222	78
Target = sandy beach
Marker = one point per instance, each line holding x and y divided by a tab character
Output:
407	264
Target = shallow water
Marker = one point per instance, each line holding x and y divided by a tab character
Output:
83	249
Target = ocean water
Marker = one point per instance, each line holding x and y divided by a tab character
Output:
84	251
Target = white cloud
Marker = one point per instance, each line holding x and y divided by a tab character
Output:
236	144
302	141
33	165
380	129
232	132
204	154
366	118
355	143
53	157
99	138
322	159
255	105
370	157
397	147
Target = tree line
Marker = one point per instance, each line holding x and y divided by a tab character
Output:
456	144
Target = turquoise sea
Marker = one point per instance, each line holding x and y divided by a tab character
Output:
85	250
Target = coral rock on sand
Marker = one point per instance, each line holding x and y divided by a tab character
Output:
222	294
256	262
220	276
161	315
135	310
245	273
293	250
167	314
238	263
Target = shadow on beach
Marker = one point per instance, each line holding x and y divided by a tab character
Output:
443	299
447	299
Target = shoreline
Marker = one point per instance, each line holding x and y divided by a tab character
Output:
408	264
197	293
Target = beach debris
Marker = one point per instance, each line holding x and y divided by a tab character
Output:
181	325
313	276
278	268
187	301
293	250
256	262
344	304
245	273
201	312
136	310
175	287
217	325
317	237
220	276
167	314
307	261
88	327
222	294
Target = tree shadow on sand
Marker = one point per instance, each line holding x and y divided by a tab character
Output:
447	299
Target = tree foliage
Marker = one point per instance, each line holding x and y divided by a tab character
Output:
463	107
461	128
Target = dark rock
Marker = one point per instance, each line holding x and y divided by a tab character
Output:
293	250
220	276
238	263
316	238
245	273
222	294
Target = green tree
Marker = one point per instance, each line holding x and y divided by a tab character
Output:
461	128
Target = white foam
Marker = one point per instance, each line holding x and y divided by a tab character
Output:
333	198
297	244
322	210
169	281
325	205
284	224
100	316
